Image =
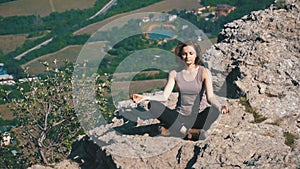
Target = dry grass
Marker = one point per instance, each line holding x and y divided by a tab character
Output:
41	7
64	5
258	118
9	43
69	53
6	113
164	6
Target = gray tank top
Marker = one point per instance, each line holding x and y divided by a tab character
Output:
192	97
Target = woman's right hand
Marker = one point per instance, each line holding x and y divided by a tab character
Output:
137	98
224	109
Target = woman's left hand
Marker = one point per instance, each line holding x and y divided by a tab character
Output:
224	109
137	98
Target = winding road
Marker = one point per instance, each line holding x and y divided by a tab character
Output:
32	49
101	11
104	9
52	5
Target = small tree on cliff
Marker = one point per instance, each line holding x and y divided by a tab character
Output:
48	123
48	120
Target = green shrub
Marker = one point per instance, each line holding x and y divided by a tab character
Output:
289	139
280	4
258	118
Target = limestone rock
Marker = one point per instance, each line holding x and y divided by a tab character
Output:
257	56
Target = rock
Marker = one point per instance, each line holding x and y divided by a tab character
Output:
256	56
267	52
232	141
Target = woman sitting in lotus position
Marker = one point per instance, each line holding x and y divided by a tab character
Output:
194	83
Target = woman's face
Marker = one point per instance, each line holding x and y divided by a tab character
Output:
189	55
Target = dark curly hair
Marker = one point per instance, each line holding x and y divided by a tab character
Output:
181	45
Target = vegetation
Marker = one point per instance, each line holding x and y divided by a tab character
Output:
48	123
9	92
250	4
127	47
61	25
289	139
258	118
46	120
93	111
56	44
57	22
276	122
144	76
13	122
243	7
8	159
129	5
280	4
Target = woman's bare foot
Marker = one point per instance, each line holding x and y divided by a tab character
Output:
196	134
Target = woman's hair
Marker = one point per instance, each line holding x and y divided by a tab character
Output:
181	45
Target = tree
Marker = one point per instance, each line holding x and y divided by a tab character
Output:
48	123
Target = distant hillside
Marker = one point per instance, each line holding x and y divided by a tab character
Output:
41	7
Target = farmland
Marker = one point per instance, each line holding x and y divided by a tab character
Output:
164	6
9	43
42	7
137	86
69	53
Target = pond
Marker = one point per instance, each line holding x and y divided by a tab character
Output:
160	33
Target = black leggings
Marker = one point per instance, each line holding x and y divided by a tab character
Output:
174	120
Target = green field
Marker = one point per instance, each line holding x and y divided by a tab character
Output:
42	7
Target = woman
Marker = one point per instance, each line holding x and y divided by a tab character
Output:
194	83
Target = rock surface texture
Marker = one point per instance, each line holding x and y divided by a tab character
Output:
262	51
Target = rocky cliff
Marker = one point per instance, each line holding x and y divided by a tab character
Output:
260	57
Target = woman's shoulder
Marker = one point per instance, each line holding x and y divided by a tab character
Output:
173	73
205	72
204	69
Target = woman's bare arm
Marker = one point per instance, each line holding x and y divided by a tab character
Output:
163	97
